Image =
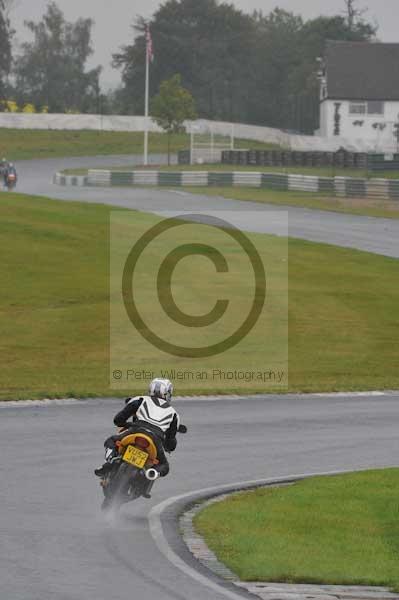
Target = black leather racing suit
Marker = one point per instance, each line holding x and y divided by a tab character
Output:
163	440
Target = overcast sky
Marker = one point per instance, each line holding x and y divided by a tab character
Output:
113	19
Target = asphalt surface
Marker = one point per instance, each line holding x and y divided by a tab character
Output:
377	235
56	544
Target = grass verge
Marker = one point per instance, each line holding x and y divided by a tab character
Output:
25	144
369	207
54	309
333	530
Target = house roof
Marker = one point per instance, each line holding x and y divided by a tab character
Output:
362	71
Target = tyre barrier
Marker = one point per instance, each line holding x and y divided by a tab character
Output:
75	180
345	187
289	158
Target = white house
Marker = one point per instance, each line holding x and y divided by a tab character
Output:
359	94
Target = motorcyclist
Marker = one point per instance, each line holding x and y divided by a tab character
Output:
3	169
10	170
151	413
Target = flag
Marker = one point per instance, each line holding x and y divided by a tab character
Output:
148	39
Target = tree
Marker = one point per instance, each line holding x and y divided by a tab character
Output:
51	70
5	47
354	14
172	106
275	58
255	68
206	42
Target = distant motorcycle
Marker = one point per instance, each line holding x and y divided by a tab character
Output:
10	181
129	478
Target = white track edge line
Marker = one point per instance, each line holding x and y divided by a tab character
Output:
39	403
203	398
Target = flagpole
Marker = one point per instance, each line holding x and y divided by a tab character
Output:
146	112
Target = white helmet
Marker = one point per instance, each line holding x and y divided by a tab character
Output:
161	388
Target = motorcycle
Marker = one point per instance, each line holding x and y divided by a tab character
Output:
11	181
128	479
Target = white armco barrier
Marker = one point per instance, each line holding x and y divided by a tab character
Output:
75	122
244	179
137	123
306	183
345	187
146	177
198	178
99	177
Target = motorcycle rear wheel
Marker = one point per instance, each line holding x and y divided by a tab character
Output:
118	488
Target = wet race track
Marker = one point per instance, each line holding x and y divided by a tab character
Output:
365	233
55	542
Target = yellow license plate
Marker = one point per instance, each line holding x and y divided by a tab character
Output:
135	457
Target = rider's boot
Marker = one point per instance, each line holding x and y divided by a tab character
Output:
111	457
103	470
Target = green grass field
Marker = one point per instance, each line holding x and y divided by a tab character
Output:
388	209
24	144
54	308
331	530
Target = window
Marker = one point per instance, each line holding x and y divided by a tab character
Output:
375	108
357	108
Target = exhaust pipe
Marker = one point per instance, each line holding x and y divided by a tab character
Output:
152	474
